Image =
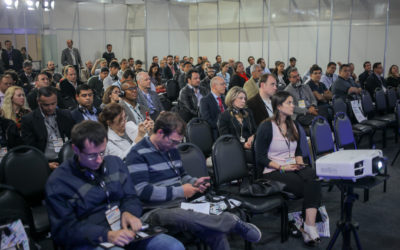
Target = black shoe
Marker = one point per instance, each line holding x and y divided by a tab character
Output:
248	231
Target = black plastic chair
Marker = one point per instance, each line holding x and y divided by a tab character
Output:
229	165
382	110
66	152
391	99
26	169
397	110
193	160
305	149
369	109
199	133
172	88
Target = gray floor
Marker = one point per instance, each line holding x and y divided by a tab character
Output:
378	218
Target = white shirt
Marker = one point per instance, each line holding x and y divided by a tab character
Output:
268	106
71	51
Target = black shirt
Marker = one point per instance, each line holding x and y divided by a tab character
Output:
320	88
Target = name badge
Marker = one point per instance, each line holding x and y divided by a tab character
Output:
58	143
302	104
113	216
11	62
290	161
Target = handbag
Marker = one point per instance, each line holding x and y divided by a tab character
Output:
260	187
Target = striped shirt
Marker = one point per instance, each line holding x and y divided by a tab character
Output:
158	176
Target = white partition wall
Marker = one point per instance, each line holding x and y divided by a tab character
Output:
313	31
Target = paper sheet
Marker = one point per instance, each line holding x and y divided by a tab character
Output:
203	207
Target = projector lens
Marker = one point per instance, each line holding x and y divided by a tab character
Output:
378	165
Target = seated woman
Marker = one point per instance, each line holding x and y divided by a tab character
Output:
279	72
278	157
122	135
15	105
155	75
237	120
111	96
239	76
224	73
393	79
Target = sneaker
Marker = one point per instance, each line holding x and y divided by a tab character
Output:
248	231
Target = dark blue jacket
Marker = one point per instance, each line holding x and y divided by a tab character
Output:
77	205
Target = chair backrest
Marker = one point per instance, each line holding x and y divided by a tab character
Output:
172	88
199	133
193	160
343	129
228	159
66	152
391	98
305	150
380	100
321	137
366	103
339	105
26	169
397	110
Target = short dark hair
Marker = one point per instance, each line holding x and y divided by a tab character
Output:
330	64
190	73
365	63
169	56
293	69
293	59
108	45
27	63
175	56
315	67
217	57
114	64
169	122
130	58
154	57
250	57
128	73
46	92
259	60
376	65
186	63
41	73
104	69
138	62
343	66
92	131
223	64
264	78
7	41
82	87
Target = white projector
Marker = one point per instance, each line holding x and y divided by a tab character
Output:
350	164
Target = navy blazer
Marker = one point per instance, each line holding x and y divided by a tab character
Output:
210	111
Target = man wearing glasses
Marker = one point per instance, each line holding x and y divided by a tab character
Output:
91	199
133	110
161	182
85	109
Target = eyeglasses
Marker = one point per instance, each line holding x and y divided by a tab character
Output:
93	157
132	88
174	142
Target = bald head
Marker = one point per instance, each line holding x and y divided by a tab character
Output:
70	43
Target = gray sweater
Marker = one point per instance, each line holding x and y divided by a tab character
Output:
303	92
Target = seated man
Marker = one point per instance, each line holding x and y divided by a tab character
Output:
320	92
161	182
342	87
96	82
329	77
213	104
210	73
375	80
182	77
129	101
362	78
112	77
47	128
108	210
190	96
85	109
147	97
68	87
303	99
27	76
251	86
260	104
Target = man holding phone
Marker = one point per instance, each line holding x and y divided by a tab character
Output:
89	208
162	183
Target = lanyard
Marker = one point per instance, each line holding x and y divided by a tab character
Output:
54	128
287	141
102	184
171	165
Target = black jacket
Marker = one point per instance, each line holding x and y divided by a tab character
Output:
188	102
25	82
77	115
237	80
68	93
168	73
209	111
108	56
362	78
206	83
257	106
374	82
16	57
32	99
228	124
34	132
9	134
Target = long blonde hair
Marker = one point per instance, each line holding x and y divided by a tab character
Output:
7	106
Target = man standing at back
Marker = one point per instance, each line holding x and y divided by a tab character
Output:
12	58
108	55
71	56
161	182
91	199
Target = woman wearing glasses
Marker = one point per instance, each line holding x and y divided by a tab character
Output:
111	96
279	158
122	135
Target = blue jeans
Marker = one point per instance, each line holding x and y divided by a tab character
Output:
159	242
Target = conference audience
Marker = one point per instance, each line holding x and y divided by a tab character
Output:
155	75
279	158
147	97
237	120
11	58
260	104
68	87
362	78
10	136
251	60
343	88
122	134
112	77
96	82
210	73
129	101
279	73
6	81
85	109
329	77
320	92
224	73
112	95
251	86
187	66
27	76
98	65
